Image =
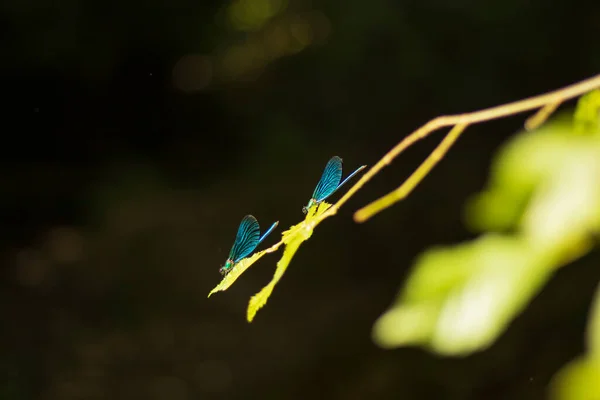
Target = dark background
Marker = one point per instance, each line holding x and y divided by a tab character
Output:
136	135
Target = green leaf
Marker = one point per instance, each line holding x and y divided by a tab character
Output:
593	329
481	286
587	115
539	181
579	380
517	169
544	189
292	238
566	206
236	271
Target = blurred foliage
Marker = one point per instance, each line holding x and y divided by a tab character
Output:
541	210
580	379
586	114
460	299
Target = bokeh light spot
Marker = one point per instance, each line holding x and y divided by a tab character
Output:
64	245
251	15
213	376
302	32
192	72
31	268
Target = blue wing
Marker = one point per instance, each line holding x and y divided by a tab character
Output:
332	175
246	240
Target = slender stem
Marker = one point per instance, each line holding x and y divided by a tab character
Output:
548	101
541	116
416	177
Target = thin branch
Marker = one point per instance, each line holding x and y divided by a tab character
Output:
541	116
548	102
416	177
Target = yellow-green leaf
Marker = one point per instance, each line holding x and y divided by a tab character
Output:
237	270
292	238
593	329
579	380
587	114
566	206
481	287
524	167
516	170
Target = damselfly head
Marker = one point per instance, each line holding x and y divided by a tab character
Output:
308	206
224	270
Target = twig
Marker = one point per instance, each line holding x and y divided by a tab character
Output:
547	102
416	177
537	119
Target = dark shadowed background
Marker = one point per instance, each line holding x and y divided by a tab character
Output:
136	135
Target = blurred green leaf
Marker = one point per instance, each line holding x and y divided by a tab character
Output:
593	330
587	115
481	286
541	181
544	193
580	379
566	206
518	168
